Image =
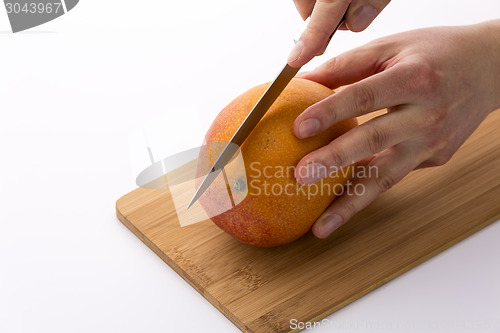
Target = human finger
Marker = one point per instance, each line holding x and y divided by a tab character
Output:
325	16
386	89
304	7
374	136
353	65
390	167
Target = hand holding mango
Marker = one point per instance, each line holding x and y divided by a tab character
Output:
438	84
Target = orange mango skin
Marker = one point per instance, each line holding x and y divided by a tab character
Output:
264	219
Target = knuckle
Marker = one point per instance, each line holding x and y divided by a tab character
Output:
349	209
425	79
436	144
316	30
433	119
331	113
336	157
376	139
330	66
363	99
385	181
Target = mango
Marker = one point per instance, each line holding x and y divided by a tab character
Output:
276	209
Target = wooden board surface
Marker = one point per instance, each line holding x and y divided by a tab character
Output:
262	289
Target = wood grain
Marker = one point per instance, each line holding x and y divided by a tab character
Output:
262	289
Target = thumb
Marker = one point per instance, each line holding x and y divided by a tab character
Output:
361	13
304	7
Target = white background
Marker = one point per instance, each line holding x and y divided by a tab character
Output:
72	91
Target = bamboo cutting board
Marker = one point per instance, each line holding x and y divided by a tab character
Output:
262	289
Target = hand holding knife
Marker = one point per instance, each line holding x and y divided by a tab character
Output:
252	119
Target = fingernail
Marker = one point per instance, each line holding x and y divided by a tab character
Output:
311	173
308	127
363	17
328	225
295	52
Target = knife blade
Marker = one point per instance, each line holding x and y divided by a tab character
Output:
246	127
249	123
